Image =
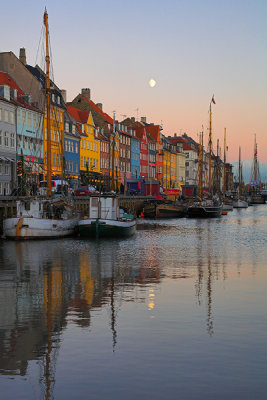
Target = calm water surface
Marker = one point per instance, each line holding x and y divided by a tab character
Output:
179	311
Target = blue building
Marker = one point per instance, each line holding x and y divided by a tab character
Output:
135	155
71	149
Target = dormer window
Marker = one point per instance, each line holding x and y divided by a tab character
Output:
53	97
58	99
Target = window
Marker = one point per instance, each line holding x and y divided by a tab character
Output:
34	121
1	140
12	117
6	139
29	119
12	140
81	161
1	167
23	117
76	147
54	159
6	168
66	126
73	129
5	115
0	114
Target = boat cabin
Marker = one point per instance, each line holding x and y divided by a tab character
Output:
104	207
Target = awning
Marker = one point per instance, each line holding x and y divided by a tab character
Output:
7	159
10	159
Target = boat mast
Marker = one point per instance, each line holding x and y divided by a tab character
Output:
239	171
210	147
224	162
200	164
255	160
47	95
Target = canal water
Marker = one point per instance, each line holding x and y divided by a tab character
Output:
179	311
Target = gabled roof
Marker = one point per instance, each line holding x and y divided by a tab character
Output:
78	115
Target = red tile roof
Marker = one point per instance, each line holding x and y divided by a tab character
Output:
105	116
6	79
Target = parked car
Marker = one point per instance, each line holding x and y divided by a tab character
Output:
85	190
56	187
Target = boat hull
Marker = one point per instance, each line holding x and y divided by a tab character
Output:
166	211
105	228
240	204
204	212
38	228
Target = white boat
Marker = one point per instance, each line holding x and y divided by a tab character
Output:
41	219
240	204
106	219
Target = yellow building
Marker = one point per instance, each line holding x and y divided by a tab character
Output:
89	143
166	169
173	169
56	135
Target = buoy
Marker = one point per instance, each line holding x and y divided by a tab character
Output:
141	214
224	212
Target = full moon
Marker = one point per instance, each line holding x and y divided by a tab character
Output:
152	83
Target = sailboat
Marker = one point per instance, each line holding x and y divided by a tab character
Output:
255	180
239	202
204	208
43	218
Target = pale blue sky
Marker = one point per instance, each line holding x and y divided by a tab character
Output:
191	48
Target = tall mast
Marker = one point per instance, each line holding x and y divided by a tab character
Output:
255	161
210	147
47	95
113	146
200	164
239	169
224	162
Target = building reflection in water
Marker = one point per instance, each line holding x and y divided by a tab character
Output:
46	288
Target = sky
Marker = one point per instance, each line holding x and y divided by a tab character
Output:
193	49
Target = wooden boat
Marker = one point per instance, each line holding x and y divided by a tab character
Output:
39	218
204	209
149	210
170	210
106	219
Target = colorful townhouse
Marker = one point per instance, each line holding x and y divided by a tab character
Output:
89	144
71	150
135	154
103	123
180	162
167	162
154	132
7	139
125	152
115	160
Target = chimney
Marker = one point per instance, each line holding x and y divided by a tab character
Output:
22	55
143	119
86	92
64	95
100	105
175	135
132	119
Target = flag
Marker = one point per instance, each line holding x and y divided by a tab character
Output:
213	101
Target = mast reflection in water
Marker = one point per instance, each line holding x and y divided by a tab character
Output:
178	311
